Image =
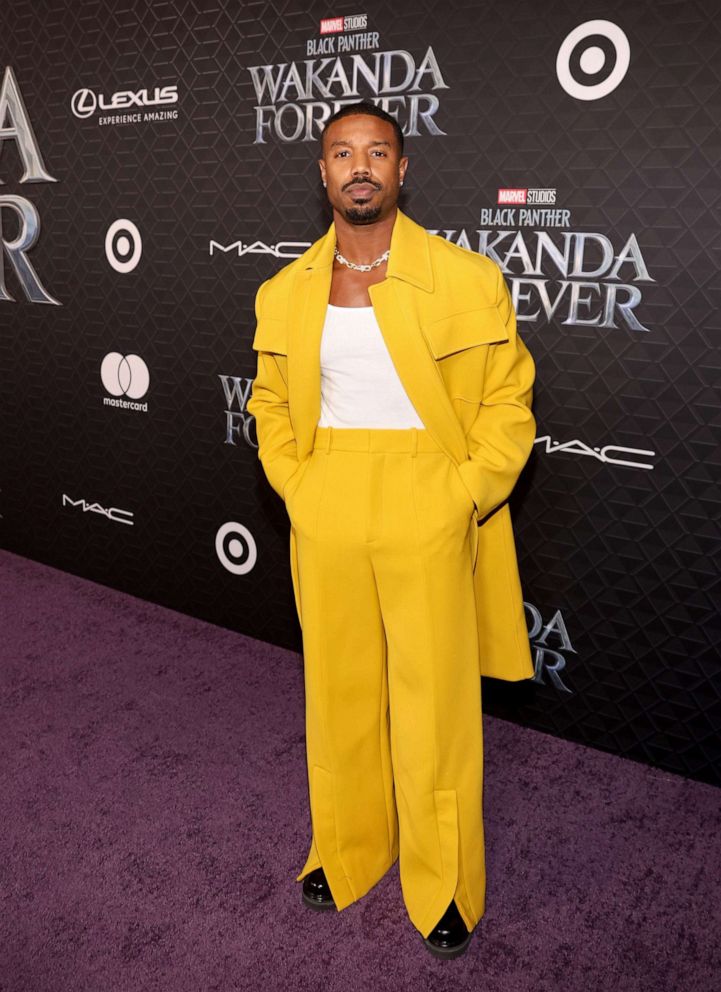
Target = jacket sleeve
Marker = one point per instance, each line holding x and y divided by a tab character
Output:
269	405
501	437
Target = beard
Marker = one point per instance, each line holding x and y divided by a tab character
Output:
362	214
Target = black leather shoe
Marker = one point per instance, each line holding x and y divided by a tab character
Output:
450	936
316	891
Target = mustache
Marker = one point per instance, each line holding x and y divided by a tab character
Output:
362	182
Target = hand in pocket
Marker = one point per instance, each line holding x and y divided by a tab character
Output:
461	487
294	481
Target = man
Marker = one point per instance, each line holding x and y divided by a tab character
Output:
392	405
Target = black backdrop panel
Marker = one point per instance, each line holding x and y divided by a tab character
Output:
183	149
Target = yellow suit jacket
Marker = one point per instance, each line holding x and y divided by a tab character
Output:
448	321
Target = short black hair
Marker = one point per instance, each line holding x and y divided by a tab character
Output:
364	107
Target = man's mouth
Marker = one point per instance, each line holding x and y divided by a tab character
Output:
363	189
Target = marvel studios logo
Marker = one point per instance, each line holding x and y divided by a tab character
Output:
527	197
337	25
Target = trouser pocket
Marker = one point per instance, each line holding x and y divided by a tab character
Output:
304	491
459	486
294	481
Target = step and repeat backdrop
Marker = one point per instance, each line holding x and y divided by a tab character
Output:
159	161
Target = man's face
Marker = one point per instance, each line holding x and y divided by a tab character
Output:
362	167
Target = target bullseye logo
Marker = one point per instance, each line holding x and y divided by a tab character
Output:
236	548
123	245
125	375
593	59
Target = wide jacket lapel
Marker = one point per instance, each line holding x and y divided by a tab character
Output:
397	302
306	315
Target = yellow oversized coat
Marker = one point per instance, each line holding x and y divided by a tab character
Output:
448	321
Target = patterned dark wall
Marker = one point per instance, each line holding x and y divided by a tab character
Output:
151	114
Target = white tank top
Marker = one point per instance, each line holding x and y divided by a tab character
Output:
359	385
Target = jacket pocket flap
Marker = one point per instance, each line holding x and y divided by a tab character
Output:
271	335
465	330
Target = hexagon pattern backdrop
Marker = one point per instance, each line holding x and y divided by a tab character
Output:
170	154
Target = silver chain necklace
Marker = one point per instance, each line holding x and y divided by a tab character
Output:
361	268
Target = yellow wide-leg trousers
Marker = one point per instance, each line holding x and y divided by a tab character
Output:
382	525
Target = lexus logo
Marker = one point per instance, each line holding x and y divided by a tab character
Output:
125	375
84	103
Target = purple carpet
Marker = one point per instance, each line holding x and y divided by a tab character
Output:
154	817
